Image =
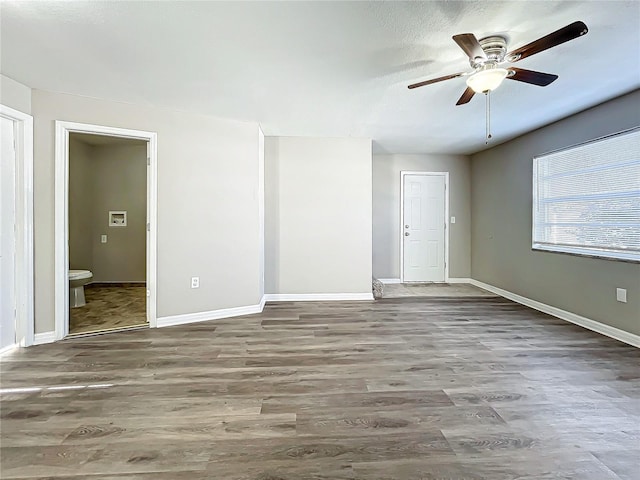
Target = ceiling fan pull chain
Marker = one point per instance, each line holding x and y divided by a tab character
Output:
488	103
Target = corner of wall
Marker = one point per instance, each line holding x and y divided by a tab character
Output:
15	94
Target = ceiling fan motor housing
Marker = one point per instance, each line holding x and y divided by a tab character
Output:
494	47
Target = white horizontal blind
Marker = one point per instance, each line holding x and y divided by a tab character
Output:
586	199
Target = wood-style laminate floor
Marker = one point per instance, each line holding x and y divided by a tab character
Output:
109	307
406	389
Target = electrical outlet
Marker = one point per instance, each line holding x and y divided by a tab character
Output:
195	282
103	239
621	295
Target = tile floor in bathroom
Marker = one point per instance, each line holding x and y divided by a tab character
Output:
109	307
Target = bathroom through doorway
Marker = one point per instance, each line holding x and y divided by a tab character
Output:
105	192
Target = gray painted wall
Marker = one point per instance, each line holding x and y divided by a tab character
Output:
80	205
501	189
317	215
120	183
104	178
208	203
386	210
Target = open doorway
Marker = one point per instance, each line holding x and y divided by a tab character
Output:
107	233
105	229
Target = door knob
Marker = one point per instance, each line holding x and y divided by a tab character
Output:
406	226
406	234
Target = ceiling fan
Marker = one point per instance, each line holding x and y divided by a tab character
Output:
487	54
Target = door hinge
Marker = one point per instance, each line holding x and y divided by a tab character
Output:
148	160
148	227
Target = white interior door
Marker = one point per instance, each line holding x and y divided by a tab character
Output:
423	229
7	234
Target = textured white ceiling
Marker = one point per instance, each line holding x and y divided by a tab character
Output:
324	68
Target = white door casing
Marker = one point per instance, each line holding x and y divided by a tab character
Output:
424	242
7	234
17	160
62	216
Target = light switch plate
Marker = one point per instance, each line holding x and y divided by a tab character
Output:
453	219
621	295
103	239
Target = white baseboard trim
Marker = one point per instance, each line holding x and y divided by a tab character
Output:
459	280
603	329
44	337
8	348
210	315
317	297
389	281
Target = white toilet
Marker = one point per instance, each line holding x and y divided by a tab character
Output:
77	280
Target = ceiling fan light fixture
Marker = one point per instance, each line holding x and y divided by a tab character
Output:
487	79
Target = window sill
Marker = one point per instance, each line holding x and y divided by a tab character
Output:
575	253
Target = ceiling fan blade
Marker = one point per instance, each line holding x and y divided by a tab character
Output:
574	30
534	78
469	43
466	96
434	80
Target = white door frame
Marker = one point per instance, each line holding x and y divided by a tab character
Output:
63	129
403	173
23	124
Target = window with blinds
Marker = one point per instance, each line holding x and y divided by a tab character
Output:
586	198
